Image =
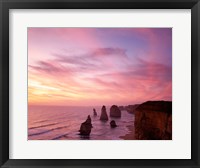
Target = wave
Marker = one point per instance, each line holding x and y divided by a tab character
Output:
43	126
43	132
60	136
41	121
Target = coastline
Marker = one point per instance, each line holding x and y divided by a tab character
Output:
131	134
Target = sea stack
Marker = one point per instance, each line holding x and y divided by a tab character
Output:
113	124
104	116
94	112
86	127
153	120
115	111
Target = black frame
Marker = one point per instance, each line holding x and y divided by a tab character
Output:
5	5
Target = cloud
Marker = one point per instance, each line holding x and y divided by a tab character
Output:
105	73
142	69
154	70
50	67
86	62
79	61
86	65
109	51
105	83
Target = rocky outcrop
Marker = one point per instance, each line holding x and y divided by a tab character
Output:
122	108
153	120
131	108
94	112
86	127
115	111
113	124
104	116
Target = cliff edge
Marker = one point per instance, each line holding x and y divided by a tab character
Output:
153	120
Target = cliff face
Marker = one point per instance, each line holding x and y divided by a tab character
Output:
131	108
153	120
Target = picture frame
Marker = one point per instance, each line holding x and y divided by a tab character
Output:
6	5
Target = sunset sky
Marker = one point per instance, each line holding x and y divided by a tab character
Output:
99	66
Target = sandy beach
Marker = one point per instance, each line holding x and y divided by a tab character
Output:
131	134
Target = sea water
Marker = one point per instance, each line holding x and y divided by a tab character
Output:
63	123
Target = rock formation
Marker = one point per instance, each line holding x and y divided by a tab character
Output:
122	108
131	108
115	111
94	112
104	116
86	127
153	120
113	124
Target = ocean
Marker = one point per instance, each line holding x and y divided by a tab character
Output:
63	123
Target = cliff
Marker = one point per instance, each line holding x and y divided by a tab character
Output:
153	120
131	108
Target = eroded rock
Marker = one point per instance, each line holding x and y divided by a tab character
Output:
94	112
115	111
153	120
86	127
113	124
104	116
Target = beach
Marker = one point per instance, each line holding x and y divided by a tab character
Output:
131	134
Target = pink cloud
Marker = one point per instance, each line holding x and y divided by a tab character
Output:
82	67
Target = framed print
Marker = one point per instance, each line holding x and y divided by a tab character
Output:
83	77
99	83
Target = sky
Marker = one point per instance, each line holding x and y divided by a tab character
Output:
99	66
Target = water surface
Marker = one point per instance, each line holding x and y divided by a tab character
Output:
63	123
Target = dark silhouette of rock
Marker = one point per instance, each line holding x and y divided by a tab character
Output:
115	111
122	108
131	108
104	116
86	127
153	120
113	124
94	112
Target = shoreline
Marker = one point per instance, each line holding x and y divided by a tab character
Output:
131	134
